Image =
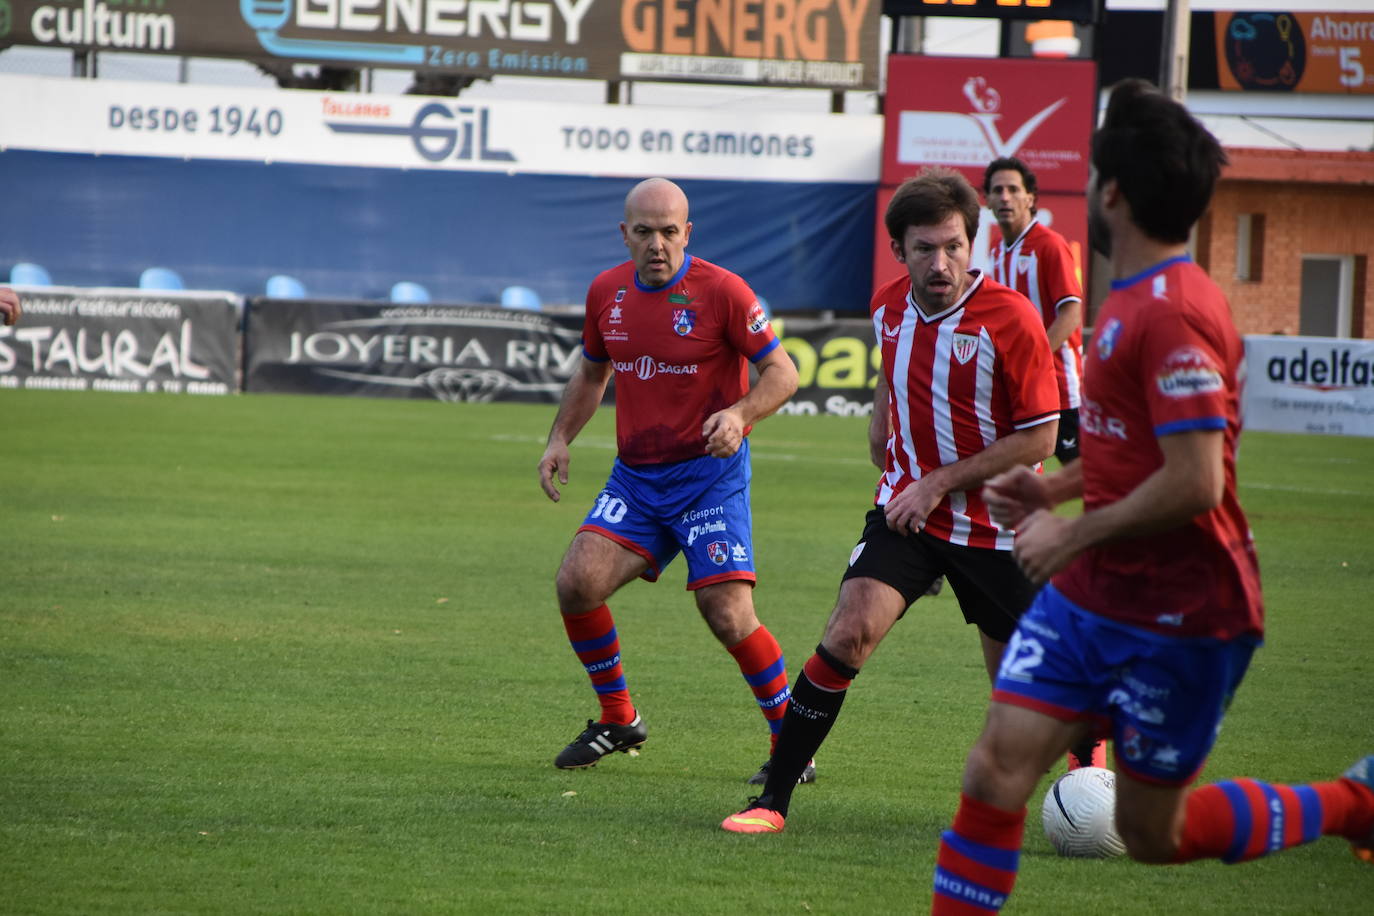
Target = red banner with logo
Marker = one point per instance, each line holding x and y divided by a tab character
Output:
964	112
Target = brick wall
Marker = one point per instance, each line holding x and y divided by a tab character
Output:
1300	217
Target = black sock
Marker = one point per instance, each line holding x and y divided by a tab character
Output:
1083	751
810	714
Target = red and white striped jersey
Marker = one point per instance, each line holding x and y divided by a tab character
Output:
957	382
1039	266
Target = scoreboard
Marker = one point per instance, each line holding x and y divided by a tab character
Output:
1085	11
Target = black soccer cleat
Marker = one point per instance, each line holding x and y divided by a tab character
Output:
600	739
761	777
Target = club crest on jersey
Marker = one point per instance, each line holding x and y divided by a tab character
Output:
965	347
718	551
1106	338
683	321
1023	263
620	294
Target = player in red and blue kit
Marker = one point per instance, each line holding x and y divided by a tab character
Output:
1037	262
1152	608
679	334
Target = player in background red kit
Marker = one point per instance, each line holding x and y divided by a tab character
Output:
1037	262
966	391
1152	608
679	334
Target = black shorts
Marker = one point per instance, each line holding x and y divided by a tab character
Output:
992	591
1066	446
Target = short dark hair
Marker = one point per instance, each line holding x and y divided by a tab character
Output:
1162	158
929	199
1010	164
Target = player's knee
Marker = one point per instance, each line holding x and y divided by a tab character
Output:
998	774
576	593
850	638
730	623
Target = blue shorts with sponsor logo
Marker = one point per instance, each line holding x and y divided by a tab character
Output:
1160	698
698	507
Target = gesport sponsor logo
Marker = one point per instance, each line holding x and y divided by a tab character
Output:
646	367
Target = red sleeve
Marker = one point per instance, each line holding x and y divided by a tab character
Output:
746	326
593	346
1185	375
1058	275
1027	366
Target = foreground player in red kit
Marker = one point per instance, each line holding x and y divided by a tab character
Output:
1036	261
966	392
679	334
1152	607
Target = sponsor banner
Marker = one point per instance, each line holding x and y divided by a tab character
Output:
1281	51
417	132
123	340
962	113
965	112
812	43
1309	385
451	353
471	353
837	365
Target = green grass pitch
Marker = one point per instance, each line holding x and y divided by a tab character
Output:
274	654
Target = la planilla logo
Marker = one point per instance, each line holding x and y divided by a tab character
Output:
439	132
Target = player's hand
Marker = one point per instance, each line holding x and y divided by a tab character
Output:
724	432
906	512
1043	545
554	461
1015	494
10	308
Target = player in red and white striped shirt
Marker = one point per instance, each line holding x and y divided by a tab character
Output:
1037	262
967	391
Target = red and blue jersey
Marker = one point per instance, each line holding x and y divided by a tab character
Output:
1165	358
680	352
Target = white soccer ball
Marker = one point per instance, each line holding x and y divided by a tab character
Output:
1079	814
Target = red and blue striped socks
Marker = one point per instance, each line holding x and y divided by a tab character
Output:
1243	819
594	639
979	855
765	671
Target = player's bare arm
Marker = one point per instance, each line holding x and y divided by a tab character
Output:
1015	494
581	397
10	308
1190	482
1067	318
906	512
879	425
777	381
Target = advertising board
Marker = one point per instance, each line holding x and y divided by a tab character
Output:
803	43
